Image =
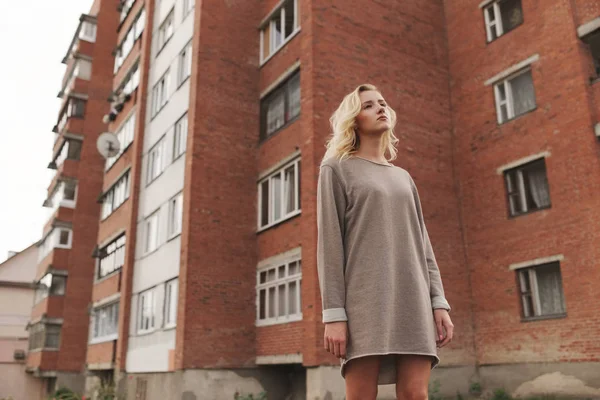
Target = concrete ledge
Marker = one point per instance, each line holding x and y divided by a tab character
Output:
279	359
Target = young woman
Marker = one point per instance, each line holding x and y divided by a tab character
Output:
384	306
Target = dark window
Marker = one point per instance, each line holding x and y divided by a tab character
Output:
76	108
541	290
501	17
527	188
74	150
593	41
44	336
281	106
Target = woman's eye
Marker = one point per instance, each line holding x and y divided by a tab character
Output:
367	106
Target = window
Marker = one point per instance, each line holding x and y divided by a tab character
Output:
514	96
70	150
527	188
63	195
160	93
171	289
283	23
50	285
279	195
125	135
278	293
281	106
44	336
185	64
146	311
155	161
112	257
501	17
188	6
58	238
165	31
74	108
88	31
593	41
105	323
133	34
131	81
115	196
175	215
541	290
180	136
151	229
126	6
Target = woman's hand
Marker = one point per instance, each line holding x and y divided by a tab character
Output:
445	327
336	337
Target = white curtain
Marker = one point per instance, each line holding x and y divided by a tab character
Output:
539	187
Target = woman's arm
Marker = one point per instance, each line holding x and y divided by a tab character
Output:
331	206
438	299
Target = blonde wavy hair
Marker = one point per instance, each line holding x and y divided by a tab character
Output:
344	140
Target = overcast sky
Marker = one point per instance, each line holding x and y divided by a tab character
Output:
34	37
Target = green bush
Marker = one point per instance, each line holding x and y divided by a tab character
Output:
64	394
261	396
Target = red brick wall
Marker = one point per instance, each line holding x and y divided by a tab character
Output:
585	10
219	255
101	353
52	306
107	287
279	339
561	123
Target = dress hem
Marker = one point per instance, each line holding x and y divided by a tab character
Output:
435	362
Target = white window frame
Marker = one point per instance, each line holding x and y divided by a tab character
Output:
112	259
180	137
278	13
171	301
151	227
508	102
49	281
160	93
188	6
88	31
184	68
52	241
175	216
116	196
276	283
128	42
156	161
531	272
100	317
145	297
495	24
165	31
296	163
125	134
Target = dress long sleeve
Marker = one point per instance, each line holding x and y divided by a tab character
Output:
331	206
438	299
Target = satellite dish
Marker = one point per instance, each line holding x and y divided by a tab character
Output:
108	144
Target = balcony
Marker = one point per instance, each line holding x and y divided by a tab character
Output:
54	247
84	37
77	79
70	117
44	343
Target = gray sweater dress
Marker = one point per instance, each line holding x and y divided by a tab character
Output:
375	263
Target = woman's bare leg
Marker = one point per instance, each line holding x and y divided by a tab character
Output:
361	378
413	372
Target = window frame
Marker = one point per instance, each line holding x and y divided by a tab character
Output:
498	24
284	89
160	91
286	280
534	292
180	137
297	164
126	136
44	294
268	26
113	250
514	177
187	9
148	221
39	331
184	64
140	311
509	101
125	181
162	38
156	161
170	306
175	222
95	323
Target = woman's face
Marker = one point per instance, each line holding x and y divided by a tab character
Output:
374	116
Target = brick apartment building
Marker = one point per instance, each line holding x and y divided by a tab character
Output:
58	329
205	277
